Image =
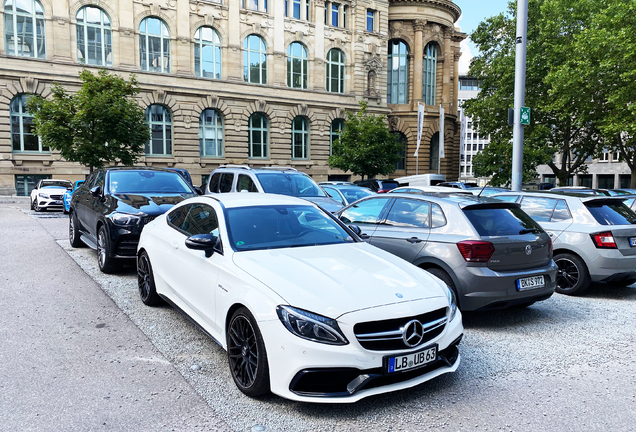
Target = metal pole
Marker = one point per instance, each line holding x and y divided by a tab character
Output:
520	91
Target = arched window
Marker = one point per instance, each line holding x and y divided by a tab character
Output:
336	129
207	53
430	74
398	73
160	121
211	133
433	160
94	42
258	136
335	71
154	45
300	138
255	60
22	137
297	66
401	138
24	28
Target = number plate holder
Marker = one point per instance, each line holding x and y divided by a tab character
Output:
632	241
529	283
407	362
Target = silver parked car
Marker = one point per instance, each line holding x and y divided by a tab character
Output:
594	236
346	194
491	253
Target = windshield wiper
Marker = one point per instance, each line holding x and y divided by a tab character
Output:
530	230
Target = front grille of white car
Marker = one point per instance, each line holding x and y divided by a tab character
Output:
387	335
56	197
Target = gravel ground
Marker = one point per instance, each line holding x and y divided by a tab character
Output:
567	363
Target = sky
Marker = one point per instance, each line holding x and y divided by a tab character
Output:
474	12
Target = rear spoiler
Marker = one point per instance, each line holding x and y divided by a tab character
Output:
489	205
604	200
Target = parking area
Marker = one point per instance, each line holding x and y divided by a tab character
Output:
567	363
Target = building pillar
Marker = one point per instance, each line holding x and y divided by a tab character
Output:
446	71
128	40
60	24
594	181
183	41
319	46
617	181
234	52
277	63
418	62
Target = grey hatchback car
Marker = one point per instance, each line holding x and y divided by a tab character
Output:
491	253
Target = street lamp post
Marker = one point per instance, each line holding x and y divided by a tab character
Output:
520	91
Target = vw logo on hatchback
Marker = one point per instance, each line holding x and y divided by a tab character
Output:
528	250
413	333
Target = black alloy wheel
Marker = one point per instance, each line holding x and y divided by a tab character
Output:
246	354
73	231
572	275
107	264
146	282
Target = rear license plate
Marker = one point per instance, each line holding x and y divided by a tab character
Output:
530	283
410	361
632	241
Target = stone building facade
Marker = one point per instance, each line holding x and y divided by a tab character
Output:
258	82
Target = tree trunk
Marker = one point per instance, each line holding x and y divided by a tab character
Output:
632	182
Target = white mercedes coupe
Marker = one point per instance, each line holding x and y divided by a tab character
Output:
303	307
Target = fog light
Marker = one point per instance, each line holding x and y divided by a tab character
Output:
123	231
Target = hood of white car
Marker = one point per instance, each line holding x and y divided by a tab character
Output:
332	280
52	190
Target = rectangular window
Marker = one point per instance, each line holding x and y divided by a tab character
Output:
296	9
334	14
24	184
370	20
616	156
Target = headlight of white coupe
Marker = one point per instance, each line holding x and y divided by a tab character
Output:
310	326
452	301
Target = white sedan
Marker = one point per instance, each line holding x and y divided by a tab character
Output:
304	308
48	194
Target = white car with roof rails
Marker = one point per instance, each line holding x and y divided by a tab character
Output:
303	307
594	237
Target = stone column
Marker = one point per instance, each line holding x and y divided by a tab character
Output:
455	100
60	24
319	46
128	45
278	61
183	44
418	63
234	57
448	64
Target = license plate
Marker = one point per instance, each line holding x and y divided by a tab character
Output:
530	283
410	361
58	202
632	241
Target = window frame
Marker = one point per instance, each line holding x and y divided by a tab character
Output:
21	115
144	43
370	19
261	52
263	130
335	122
105	29
429	75
303	134
216	127
164	124
340	65
394	86
217	59
38	30
303	63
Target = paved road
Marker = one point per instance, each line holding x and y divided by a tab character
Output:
566	364
70	359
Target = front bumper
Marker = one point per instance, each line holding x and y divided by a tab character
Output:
307	371
486	289
50	203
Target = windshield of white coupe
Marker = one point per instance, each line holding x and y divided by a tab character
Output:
282	226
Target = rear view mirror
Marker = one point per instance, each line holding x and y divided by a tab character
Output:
198	190
356	229
96	191
204	242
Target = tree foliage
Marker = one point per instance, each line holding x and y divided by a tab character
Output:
366	147
570	128
100	123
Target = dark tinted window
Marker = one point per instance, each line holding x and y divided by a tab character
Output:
387	185
540	209
498	221
438	218
201	219
245	183
355	193
561	212
214	182
225	185
147	182
178	215
299	185
611	213
99	179
367	211
409	213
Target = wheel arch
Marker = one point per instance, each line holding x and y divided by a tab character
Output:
432	262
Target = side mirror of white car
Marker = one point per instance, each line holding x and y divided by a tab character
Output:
204	242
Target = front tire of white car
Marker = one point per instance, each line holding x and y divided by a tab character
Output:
246	354
146	282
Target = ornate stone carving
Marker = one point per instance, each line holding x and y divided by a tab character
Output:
418	25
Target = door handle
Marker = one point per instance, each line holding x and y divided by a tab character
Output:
174	245
413	240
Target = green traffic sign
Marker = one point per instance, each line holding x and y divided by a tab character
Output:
524	116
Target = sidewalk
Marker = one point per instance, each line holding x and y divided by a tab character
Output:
70	360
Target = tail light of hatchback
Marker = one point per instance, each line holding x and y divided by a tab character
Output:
604	240
383	190
476	251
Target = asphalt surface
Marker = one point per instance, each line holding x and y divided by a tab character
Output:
566	364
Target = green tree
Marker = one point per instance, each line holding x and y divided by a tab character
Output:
569	129
366	147
601	68
100	123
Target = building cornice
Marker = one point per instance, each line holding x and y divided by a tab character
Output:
441	4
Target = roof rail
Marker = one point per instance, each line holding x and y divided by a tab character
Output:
275	168
235	166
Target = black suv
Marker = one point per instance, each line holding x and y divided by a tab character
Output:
110	209
379	186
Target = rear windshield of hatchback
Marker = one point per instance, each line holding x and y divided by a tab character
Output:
611	213
501	221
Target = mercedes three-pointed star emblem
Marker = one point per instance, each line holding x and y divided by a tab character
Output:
413	333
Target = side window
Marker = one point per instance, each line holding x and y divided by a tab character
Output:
507	198
89	182
225	185
539	209
561	212
214	182
333	194
409	214
178	215
438	218
367	211
99	179
200	219
245	183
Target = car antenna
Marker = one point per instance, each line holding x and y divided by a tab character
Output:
482	189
